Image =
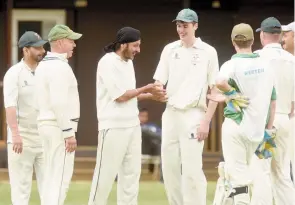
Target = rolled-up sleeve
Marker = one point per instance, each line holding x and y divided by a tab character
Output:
10	89
58	90
162	71
213	68
106	72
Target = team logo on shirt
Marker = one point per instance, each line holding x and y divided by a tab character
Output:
176	56
195	59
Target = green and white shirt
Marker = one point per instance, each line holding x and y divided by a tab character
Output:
252	77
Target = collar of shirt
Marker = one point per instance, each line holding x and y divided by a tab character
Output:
61	56
119	57
26	66
273	45
197	44
245	55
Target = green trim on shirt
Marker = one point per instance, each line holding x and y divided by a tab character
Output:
238	116
273	97
245	55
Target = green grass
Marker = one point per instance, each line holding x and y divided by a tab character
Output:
150	193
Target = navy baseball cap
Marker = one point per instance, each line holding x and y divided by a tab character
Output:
30	39
270	25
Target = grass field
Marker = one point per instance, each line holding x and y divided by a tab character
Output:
151	193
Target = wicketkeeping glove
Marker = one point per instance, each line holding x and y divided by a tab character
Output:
266	148
235	101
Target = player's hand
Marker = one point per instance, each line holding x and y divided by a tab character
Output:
71	144
156	90
17	142
203	130
160	98
217	97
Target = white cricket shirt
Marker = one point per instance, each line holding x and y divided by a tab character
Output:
252	76
57	96
188	72
114	77
283	64
18	90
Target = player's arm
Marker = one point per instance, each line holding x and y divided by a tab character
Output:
58	84
212	74
109	77
212	105
272	109
10	92
222	86
141	93
162	71
272	114
159	93
161	75
291	114
203	130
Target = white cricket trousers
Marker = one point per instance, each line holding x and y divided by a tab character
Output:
262	186
237	152
292	136
118	152
20	168
182	166
283	188
59	165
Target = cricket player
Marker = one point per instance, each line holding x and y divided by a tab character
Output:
188	67
287	42
119	138
243	129
282	63
288	37
25	151
57	100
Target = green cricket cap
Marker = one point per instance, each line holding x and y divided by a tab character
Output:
187	15
270	25
30	39
62	31
242	32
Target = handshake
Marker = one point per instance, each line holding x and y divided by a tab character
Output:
156	92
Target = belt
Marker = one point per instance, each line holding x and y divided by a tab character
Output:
28	125
239	190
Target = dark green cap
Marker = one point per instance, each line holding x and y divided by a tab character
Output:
187	15
270	25
30	39
62	31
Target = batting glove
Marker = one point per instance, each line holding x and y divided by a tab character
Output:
235	101
266	148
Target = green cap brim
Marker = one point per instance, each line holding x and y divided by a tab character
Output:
75	36
269	30
184	20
